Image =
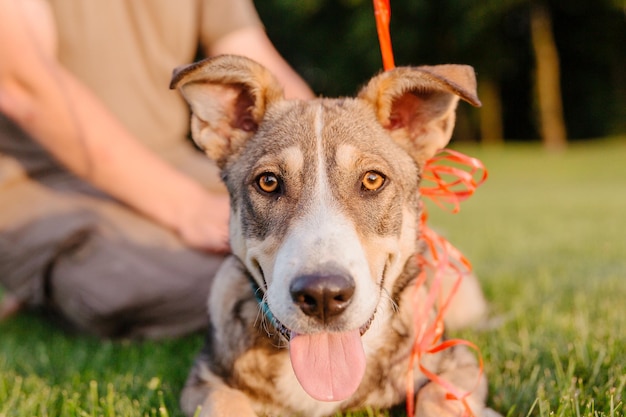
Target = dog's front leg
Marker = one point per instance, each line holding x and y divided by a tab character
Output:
226	402
206	391
464	374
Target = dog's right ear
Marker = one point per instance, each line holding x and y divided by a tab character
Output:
417	104
228	96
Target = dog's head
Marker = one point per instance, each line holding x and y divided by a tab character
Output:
324	195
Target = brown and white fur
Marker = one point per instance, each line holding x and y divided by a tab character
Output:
324	222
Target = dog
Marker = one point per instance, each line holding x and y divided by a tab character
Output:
312	314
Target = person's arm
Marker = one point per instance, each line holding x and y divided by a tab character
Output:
60	113
253	43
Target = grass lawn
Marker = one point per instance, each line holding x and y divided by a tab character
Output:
547	237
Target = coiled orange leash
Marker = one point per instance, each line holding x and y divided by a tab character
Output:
447	179
450	186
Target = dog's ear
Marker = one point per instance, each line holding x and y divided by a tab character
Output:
417	104
228	96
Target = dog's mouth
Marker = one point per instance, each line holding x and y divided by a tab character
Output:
284	331
288	334
328	365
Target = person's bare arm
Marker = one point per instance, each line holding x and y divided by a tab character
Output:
253	43
60	113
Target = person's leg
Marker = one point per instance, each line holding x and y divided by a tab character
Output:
33	224
112	285
106	269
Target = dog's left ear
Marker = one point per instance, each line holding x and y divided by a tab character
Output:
417	105
228	96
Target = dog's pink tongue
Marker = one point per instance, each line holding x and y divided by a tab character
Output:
329	366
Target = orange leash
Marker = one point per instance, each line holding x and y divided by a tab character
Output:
382	13
447	179
451	177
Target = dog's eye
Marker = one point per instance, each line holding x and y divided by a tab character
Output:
372	181
268	182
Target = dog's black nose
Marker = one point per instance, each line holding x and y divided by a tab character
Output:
322	296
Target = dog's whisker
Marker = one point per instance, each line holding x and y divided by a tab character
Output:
266	325
394	305
268	322
261	321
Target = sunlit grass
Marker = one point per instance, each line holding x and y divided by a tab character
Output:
547	237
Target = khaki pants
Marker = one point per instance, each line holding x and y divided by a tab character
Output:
105	269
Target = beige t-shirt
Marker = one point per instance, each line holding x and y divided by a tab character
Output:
117	45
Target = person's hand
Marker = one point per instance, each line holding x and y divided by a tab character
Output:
203	222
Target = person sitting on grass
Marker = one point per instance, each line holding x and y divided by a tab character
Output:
109	217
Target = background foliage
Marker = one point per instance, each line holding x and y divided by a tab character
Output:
333	44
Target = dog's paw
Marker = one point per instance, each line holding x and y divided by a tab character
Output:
432	402
227	402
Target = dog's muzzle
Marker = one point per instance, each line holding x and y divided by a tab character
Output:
329	365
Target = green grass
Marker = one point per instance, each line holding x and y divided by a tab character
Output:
546	235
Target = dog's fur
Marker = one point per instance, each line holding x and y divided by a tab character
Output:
324	225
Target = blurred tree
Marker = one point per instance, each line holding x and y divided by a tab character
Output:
591	36
548	78
333	43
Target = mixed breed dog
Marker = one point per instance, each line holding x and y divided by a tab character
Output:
313	312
